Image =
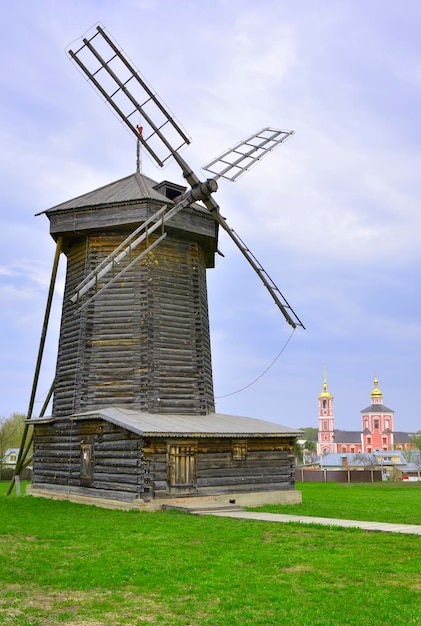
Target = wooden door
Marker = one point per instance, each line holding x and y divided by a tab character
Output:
86	464
182	467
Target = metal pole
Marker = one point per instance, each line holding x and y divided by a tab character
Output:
39	359
23	465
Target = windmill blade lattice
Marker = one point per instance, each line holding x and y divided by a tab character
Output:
128	94
243	156
110	72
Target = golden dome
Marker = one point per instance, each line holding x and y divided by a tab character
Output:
376	393
325	393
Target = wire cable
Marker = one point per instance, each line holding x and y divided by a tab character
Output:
233	393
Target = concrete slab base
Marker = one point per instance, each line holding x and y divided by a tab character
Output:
245	499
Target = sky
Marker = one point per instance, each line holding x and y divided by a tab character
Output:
333	215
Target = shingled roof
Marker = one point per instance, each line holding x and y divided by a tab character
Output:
131	188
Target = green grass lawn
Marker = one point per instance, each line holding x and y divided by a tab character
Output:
75	565
373	502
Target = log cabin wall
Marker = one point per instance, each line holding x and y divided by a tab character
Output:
88	456
144	342
95	457
225	465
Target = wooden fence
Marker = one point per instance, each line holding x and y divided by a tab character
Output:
337	476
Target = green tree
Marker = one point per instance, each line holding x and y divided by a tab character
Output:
310	433
11	429
416	440
298	452
311	445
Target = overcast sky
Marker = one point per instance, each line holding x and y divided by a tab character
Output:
333	215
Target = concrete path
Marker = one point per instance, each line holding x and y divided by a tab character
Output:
237	512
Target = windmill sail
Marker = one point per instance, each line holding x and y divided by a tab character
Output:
122	86
128	94
246	154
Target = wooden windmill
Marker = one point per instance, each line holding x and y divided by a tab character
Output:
134	348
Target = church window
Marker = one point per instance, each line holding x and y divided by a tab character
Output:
376	423
324	404
343	448
324	425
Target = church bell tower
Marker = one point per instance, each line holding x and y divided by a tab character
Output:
326	435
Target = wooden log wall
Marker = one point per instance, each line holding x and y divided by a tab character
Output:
118	458
269	464
144	342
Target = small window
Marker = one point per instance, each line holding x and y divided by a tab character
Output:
324	425
376	423
239	450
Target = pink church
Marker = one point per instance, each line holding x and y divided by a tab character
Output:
376	433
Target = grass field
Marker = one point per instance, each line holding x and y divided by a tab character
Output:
378	502
69	564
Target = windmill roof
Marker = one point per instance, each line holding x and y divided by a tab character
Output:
179	425
131	188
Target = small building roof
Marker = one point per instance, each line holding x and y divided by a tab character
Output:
395	455
395	458
175	425
11	451
352	460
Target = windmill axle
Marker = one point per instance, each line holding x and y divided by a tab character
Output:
201	191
